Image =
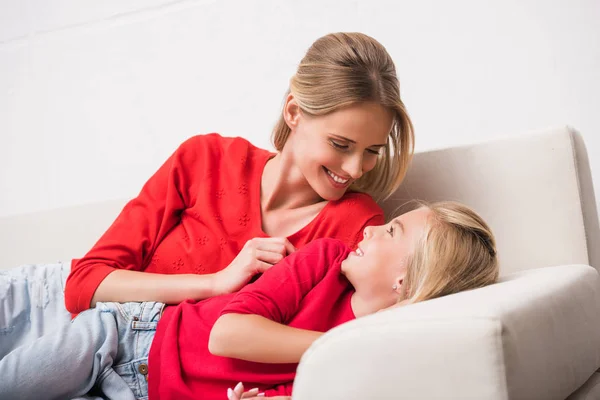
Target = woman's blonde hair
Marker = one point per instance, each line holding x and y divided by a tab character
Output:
457	252
342	69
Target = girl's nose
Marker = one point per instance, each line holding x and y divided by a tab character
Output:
367	232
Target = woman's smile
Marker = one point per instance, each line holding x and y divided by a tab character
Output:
336	180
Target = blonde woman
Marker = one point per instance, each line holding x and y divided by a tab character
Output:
220	210
198	350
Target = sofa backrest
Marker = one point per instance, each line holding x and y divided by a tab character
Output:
535	190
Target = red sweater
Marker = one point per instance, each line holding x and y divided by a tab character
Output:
196	213
306	290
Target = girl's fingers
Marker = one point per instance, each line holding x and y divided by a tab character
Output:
250	393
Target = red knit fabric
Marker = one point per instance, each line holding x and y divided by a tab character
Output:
196	213
306	290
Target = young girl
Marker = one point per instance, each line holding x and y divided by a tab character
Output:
220	210
197	350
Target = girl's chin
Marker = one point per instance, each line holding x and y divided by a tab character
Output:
346	267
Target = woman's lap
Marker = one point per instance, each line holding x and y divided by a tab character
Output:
31	303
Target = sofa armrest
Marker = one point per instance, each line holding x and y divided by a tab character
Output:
534	335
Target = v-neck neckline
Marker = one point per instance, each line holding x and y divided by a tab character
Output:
257	207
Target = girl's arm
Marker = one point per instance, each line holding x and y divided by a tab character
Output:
255	338
253	326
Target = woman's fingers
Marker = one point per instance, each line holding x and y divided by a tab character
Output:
274	244
268	256
262	266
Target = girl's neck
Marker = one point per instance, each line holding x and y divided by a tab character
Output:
362	305
284	187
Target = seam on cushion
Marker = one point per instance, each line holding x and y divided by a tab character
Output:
579	194
500	350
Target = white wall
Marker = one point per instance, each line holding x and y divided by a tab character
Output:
94	95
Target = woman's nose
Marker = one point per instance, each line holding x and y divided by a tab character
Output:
367	232
354	166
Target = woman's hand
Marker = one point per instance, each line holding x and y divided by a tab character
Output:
238	393
257	256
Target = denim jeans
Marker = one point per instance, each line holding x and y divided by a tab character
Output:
106	347
32	303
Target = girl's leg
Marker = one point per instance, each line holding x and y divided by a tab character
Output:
106	347
31	303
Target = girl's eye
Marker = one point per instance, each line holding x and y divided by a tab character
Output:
339	146
391	231
376	152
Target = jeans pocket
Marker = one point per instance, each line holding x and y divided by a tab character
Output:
135	375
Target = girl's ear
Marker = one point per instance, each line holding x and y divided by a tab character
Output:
397	286
291	111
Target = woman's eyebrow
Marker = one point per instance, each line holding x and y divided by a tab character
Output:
353	142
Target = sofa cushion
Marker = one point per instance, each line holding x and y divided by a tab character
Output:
535	335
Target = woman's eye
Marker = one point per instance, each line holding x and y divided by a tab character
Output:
391	231
339	146
376	152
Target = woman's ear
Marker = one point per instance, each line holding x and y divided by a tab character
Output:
291	111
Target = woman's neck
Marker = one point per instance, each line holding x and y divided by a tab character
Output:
284	187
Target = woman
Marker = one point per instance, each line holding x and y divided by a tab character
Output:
196	349
220	210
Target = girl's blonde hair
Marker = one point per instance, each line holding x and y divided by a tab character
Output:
342	69
457	252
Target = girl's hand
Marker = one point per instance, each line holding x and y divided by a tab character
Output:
238	393
257	256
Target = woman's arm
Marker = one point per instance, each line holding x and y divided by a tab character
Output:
257	255
124	286
130	241
254	338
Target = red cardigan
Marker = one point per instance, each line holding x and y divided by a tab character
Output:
196	213
306	290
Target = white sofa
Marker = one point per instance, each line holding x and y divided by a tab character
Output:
534	335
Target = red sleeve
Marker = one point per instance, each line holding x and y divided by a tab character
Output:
279	291
143	222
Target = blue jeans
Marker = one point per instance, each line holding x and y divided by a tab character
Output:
32	303
106	347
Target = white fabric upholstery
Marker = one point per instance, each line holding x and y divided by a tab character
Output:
526	187
533	336
55	235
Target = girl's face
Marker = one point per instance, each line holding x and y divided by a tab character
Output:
336	149
379	261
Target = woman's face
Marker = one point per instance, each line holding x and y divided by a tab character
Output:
336	149
379	261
